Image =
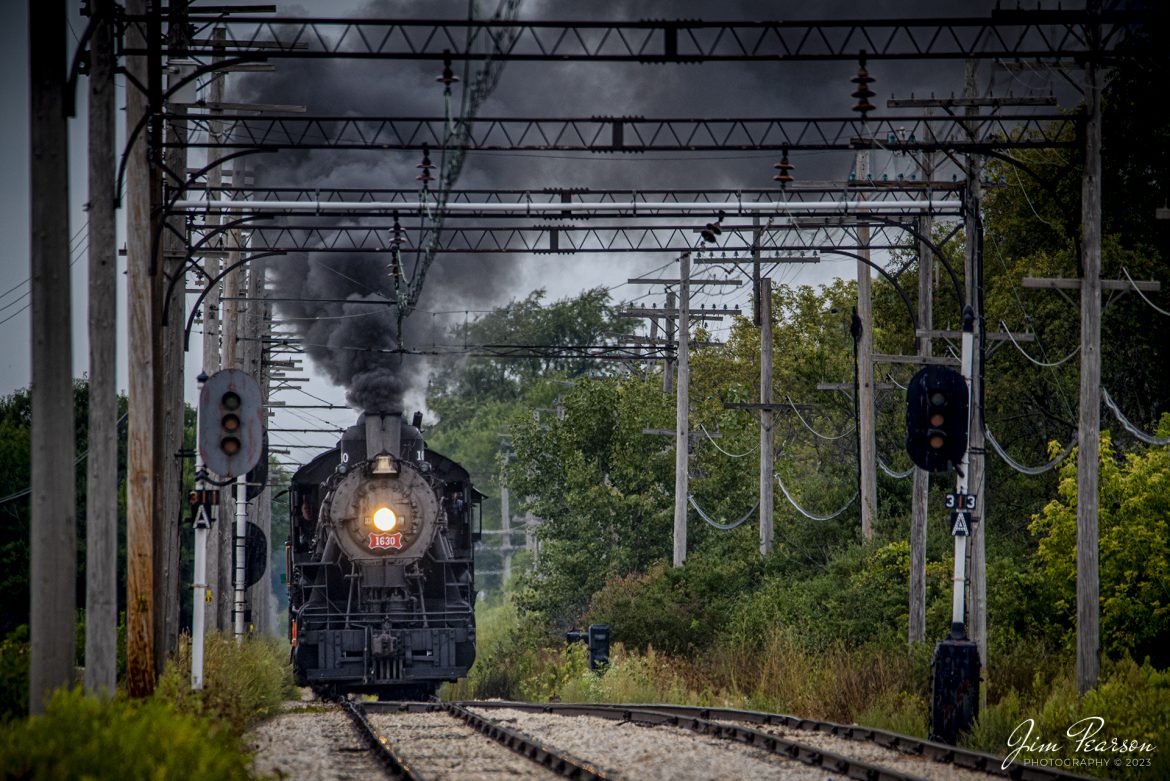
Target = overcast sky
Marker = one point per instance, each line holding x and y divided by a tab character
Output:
570	89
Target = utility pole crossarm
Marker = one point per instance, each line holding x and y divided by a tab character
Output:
776	406
694	282
916	360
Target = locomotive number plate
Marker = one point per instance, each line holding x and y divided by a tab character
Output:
386	541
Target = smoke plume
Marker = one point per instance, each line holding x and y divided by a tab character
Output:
338	304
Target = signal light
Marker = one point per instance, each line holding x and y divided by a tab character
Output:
231	423
596	638
937	407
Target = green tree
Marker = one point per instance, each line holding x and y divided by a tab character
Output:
476	398
15	480
599	484
1134	540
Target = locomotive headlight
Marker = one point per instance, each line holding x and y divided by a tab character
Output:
384	519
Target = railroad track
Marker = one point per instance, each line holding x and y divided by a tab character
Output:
831	746
493	739
417	740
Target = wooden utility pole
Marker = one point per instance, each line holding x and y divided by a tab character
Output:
169	407
223	537
1088	586
211	359
918	511
866	424
53	547
973	275
767	436
682	429
671	336
140	486
1089	422
257	325
101	496
506	526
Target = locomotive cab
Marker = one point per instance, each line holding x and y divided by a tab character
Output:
381	587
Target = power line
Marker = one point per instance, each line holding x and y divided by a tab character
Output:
76	463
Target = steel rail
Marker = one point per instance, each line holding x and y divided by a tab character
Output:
393	762
560	762
773	744
938	752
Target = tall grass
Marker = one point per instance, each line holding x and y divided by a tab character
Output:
119	738
778	674
177	733
242	682
1132	700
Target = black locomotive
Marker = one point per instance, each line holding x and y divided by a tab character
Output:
381	576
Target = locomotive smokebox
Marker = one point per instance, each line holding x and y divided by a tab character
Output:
374	433
383	433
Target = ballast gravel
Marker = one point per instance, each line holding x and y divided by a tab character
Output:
440	747
317	740
874	754
654	753
311	740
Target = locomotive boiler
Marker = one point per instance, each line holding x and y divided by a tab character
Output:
381	575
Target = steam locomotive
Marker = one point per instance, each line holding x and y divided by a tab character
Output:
381	575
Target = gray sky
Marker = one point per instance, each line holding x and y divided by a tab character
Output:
574	89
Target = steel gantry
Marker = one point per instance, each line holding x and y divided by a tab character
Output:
998	131
1052	36
563	238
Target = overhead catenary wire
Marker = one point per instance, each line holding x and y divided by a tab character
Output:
1153	306
896	475
80	252
722	526
806	513
76	463
1029	470
816	433
721	450
1130	427
898	385
72	248
1028	318
1023	352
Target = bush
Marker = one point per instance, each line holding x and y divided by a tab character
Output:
676	610
1134	550
242	682
500	660
83	737
14	661
1133	701
859	599
652	610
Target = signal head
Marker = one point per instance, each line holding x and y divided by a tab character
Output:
936	418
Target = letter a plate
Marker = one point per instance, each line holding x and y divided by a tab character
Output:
960	524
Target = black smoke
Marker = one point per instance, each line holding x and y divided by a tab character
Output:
352	336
